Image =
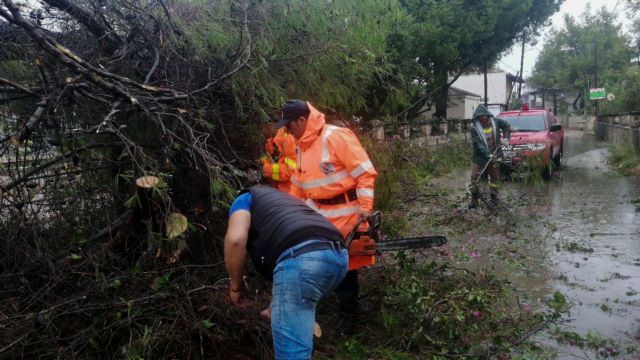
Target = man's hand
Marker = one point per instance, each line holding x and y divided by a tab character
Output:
266	313
364	213
364	218
236	298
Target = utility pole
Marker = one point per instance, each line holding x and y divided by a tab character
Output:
521	66
485	83
595	63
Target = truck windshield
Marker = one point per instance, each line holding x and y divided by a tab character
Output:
526	123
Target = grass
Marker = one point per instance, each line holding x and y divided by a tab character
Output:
625	159
604	347
401	167
434	311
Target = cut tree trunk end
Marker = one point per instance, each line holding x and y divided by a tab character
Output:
147	182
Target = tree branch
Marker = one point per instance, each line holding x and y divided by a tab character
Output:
30	125
16	86
25	177
94	27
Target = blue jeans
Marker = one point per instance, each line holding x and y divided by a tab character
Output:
299	283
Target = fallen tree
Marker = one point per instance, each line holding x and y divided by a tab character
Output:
97	95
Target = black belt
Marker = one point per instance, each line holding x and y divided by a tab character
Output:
314	246
342	198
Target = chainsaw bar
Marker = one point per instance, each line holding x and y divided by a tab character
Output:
422	242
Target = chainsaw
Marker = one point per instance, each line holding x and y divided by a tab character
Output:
368	241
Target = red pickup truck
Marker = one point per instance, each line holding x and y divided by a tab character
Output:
536	140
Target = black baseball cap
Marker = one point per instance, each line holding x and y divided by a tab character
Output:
291	110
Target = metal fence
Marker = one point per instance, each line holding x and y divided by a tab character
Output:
618	134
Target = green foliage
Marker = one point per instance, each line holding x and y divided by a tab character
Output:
592	46
20	71
532	171
423	164
161	281
388	164
558	303
403	168
432	309
625	159
447	37
607	347
333	53
223	193
626	91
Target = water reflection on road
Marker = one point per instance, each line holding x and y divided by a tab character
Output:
583	239
592	208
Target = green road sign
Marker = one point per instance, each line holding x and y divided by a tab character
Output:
597	94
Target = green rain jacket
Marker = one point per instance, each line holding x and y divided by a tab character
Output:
480	147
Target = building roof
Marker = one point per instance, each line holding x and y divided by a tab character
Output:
515	78
454	91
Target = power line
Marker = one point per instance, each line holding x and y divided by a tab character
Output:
615	7
504	64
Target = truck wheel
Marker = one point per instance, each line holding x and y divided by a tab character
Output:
557	160
505	172
547	171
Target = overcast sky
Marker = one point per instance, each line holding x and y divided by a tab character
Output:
511	60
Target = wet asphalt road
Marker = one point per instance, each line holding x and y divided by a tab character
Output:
578	234
596	262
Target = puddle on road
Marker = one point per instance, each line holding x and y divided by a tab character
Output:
581	237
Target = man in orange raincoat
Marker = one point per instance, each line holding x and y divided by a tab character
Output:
335	177
280	162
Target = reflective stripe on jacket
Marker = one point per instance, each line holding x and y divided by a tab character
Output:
331	161
280	172
479	140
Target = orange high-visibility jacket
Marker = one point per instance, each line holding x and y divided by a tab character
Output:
280	171
331	161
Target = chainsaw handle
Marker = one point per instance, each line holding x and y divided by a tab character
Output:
374	219
353	232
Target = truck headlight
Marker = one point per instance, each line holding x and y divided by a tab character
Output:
536	146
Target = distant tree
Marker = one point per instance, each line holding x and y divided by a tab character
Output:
448	38
585	53
633	12
633	5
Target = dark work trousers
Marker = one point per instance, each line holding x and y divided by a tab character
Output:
493	172
347	293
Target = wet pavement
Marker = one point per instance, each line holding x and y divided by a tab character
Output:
597	265
578	234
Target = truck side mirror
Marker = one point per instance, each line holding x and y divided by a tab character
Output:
555	127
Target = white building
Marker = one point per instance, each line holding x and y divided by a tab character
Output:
499	87
460	104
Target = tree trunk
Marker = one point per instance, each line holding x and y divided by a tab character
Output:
442	95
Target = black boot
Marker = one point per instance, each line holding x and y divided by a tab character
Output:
494	200
347	292
474	199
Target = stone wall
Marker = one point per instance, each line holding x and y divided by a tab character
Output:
425	132
577	122
621	128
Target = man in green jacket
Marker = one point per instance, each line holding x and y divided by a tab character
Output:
486	132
